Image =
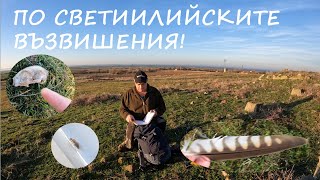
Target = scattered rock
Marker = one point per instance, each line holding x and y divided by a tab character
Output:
91	167
223	101
280	77
128	168
228	115
103	160
191	102
297	92
297	77
205	93
260	78
251	107
120	160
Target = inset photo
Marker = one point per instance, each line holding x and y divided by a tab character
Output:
40	86
75	145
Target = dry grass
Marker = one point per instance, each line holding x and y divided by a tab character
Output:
93	99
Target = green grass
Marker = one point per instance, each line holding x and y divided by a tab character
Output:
25	142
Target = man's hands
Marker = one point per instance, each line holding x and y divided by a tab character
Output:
154	111
130	118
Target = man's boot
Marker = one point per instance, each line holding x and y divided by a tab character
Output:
127	144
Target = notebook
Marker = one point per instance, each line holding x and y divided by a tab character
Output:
147	119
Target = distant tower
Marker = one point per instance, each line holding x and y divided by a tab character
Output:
224	63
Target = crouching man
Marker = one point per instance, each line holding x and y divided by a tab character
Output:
135	105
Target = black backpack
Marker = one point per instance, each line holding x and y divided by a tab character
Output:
153	145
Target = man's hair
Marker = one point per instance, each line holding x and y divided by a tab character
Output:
140	77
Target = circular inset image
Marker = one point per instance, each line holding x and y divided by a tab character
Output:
40	86
75	145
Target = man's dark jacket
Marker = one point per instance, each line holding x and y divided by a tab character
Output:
133	104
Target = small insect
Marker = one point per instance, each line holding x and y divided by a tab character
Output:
30	75
75	143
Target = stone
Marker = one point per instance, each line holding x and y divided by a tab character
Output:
120	160
91	167
297	92
260	77
128	168
103	160
251	107
223	101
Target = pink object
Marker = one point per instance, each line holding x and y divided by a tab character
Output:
200	160
57	101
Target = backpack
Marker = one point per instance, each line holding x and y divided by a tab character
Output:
153	145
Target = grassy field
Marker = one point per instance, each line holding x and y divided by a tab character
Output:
211	100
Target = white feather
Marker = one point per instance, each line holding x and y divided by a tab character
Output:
235	147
